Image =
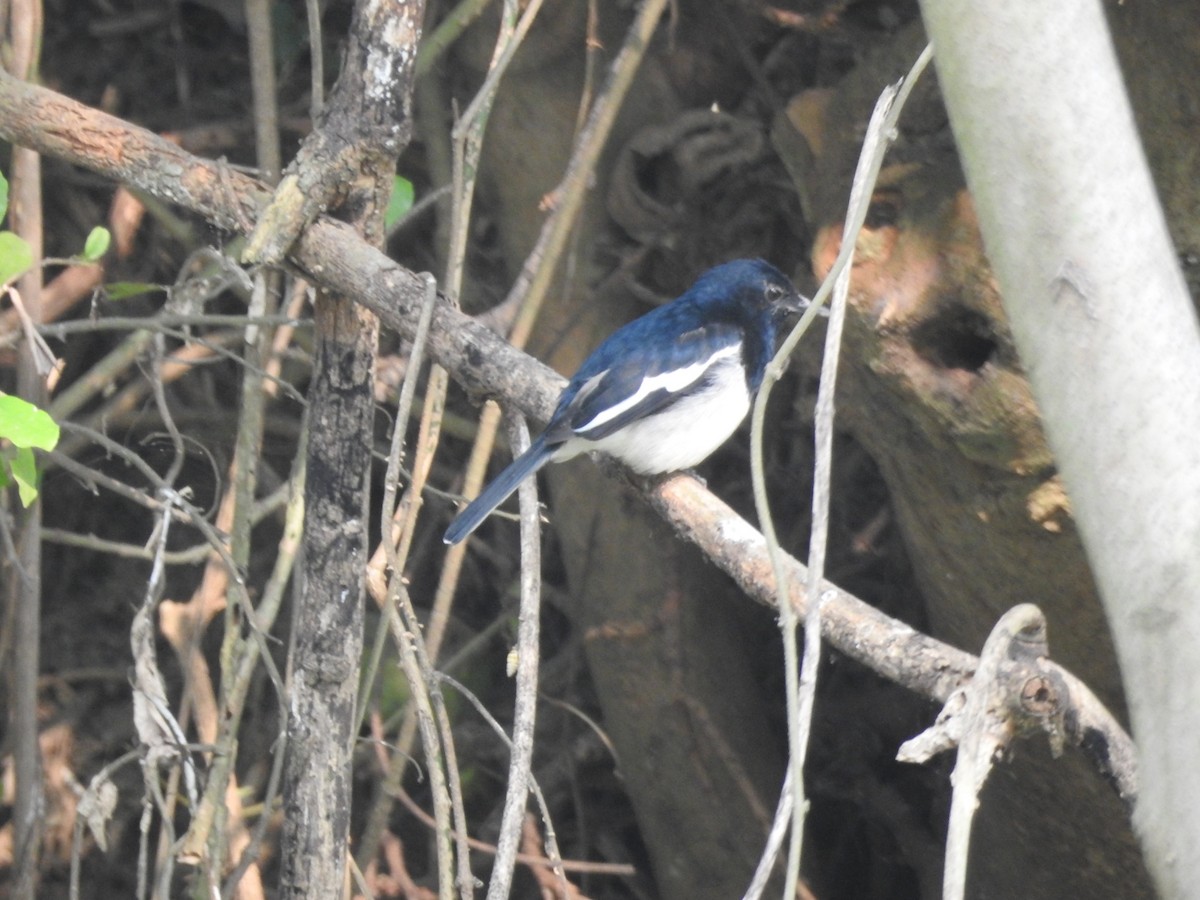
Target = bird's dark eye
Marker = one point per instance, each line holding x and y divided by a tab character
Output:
775	293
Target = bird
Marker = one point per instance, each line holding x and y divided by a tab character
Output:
663	392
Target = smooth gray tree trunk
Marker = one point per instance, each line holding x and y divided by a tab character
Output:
1108	333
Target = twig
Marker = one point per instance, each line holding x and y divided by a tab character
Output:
397	555
528	653
376	581
316	53
507	46
268	609
620	870
411	661
23	38
262	85
190	556
66	289
65	538
141	634
555	857
167	320
531	286
157	727
359	878
393	551
447	32
45	365
775	838
405	626
101	778
801	681
554	882
467	149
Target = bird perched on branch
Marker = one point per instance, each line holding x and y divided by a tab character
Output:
663	392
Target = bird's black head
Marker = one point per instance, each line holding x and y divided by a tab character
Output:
755	296
750	288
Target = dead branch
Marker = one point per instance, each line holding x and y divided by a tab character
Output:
1015	692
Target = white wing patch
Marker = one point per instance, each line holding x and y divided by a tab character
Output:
684	434
673	381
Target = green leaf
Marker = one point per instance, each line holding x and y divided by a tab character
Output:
15	256
25	425
25	474
96	244
123	290
3	195
399	203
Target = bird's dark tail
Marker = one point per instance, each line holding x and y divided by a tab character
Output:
498	491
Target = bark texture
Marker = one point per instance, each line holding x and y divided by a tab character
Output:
354	150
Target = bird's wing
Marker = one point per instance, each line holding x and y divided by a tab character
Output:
647	380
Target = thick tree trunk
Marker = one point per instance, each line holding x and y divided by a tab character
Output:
349	161
328	623
1103	320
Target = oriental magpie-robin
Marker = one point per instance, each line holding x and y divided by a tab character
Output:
666	390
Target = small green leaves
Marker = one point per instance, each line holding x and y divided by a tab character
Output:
23	427
20	462
15	256
399	203
96	244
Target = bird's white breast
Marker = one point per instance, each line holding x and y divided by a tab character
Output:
684	434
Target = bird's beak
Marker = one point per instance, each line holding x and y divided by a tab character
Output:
797	303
